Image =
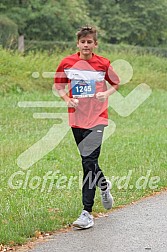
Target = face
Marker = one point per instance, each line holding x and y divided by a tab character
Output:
86	46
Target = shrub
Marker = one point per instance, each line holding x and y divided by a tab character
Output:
8	32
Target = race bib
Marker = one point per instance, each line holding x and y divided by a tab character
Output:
83	88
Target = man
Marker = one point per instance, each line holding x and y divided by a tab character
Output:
86	74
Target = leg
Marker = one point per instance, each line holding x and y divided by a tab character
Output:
89	144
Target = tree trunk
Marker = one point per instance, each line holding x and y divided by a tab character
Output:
21	43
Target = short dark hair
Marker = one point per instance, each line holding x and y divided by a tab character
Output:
86	30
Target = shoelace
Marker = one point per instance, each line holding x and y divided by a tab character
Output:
105	196
82	215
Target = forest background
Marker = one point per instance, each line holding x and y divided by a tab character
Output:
139	22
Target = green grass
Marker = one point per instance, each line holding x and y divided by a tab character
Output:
138	145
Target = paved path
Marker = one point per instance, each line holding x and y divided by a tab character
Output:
140	227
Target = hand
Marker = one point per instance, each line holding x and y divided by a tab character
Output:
73	103
101	96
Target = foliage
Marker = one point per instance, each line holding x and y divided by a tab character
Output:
50	46
8	31
139	22
46	19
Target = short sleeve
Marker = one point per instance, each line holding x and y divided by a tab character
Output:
111	75
60	78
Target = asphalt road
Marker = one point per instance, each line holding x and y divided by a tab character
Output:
140	227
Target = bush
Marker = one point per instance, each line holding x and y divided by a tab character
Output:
52	46
139	50
8	32
34	45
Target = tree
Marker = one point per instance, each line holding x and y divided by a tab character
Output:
149	21
139	22
46	19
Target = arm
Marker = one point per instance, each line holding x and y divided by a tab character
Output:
114	80
60	82
102	96
71	102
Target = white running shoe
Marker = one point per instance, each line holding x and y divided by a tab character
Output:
106	197
85	220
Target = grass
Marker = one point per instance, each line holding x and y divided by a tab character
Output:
137	147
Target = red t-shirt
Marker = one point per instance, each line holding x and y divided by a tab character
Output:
85	78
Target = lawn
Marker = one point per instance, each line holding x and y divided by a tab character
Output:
46	195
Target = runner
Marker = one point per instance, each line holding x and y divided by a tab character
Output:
86	74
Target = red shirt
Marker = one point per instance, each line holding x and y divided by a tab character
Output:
72	69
